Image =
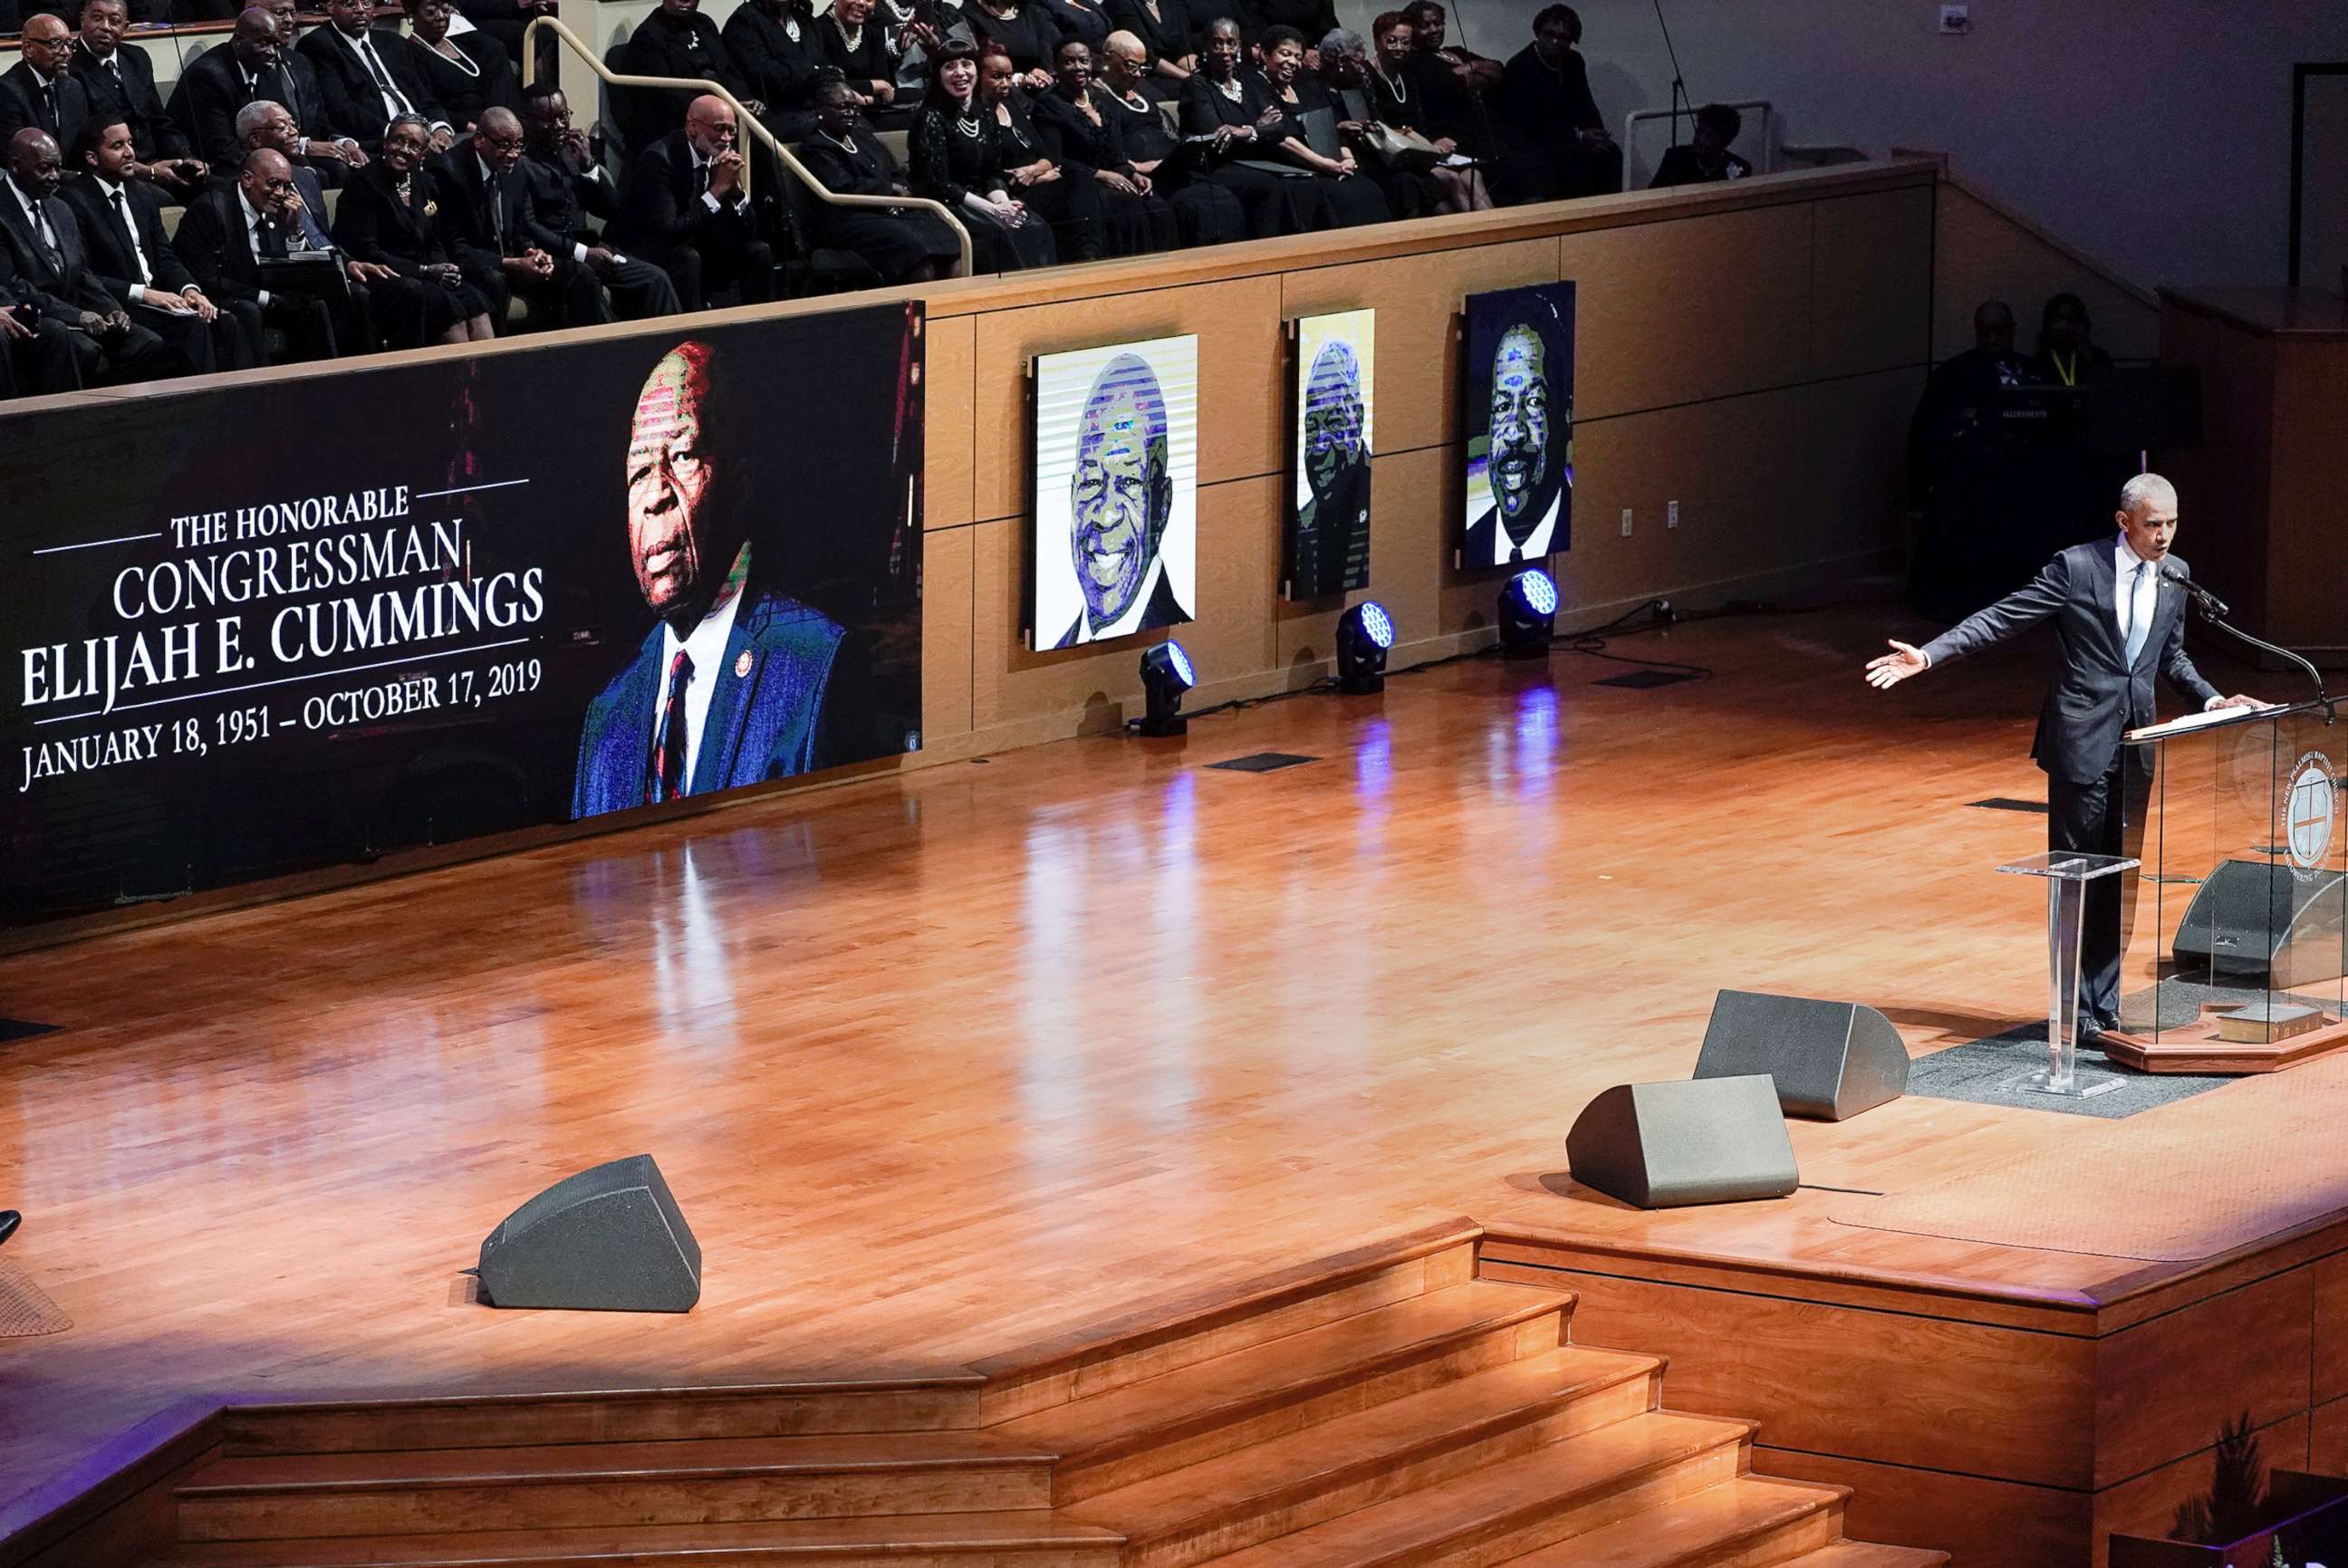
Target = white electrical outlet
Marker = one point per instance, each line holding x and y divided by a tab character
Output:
1956	19
1626	522
1671	515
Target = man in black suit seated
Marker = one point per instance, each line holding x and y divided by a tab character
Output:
1706	159
676	40
567	183
230	228
40	90
365	77
53	272
122	222
1545	102
2118	621
121	84
36	355
487	221
682	208
253	65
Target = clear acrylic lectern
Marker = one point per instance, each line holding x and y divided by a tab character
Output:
2067	874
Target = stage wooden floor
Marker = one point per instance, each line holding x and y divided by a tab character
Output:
942	1064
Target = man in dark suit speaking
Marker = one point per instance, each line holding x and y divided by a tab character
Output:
2117	620
728	688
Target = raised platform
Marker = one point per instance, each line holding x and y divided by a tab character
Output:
923	1110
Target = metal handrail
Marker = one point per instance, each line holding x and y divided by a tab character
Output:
743	117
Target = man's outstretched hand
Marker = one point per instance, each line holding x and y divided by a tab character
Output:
1895	666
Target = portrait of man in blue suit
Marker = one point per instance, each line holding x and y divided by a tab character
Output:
727	687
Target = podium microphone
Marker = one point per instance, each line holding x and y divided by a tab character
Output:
2213	609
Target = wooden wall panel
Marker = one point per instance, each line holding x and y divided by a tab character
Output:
1701	308
2000	1403
1418	301
1871	283
2329	1375
946	624
2147	1505
1852	496
1983	255
1979	1523
2310	462
2327	1438
2164	1387
1241	352
946	471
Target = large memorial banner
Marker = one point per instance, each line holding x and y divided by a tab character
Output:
264	629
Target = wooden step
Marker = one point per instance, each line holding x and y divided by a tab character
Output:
1020	1538
1154	1340
628	1415
1865	1554
1748	1522
1196	1412
1503	1509
1301	1479
722	1481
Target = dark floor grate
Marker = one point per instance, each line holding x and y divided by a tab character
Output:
1263	762
1640	680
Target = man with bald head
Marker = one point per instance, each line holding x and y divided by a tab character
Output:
121	82
231	229
2118	621
1528	459
728	686
251	66
684	209
1121	503
39	89
52	271
489	222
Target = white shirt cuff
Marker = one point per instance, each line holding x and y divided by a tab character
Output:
2213	705
138	293
263	299
709	200
579	251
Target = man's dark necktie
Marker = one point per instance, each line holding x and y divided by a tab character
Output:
273	239
137	251
498	213
700	180
668	782
383	83
49	107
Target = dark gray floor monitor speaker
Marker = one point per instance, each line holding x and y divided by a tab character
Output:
609	1239
2273	920
1832	1060
1666	1145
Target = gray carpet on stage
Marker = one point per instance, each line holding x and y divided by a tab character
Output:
1996	1070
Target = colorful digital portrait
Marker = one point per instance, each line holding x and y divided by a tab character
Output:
1326	548
1116	497
1517	414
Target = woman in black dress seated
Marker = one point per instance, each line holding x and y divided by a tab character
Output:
389	214
1354	197
958	159
1393	103
1230	121
1206	215
861	50
777	47
1026	32
903	244
1168	56
1066	195
463	75
1083	130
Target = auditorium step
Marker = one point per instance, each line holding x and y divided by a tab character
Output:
1382	1409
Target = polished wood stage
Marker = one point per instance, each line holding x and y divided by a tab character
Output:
951	1063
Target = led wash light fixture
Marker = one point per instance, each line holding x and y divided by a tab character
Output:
1527	614
1363	636
1165	675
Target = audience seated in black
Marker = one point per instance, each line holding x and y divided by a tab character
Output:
957	159
903	244
1309	137
389	214
1396	107
263	123
51	270
1706	159
40	90
676	40
1067	196
250	67
36	355
1229	118
1454	85
490	224
682	209
368	77
2067	354
861	51
918	28
230	229
121	219
1309	18
1408	183
567	183
1206	215
1558	139
463	73
776	46
1025	31
508	22
307	102
1168	54
1081	128
121	84
1082	19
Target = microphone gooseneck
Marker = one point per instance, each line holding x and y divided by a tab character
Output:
2211	605
2214	611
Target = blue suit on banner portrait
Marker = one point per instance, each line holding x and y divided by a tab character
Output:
766	710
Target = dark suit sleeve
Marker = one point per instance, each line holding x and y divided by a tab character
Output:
650	208
2177	666
100	253
200	106
359	228
169	273
2009	616
201	244
336	100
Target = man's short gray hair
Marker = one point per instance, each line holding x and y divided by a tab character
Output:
2146	490
1343	41
248	117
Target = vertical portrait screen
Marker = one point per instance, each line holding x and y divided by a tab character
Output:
1117	479
1327	549
1517	413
